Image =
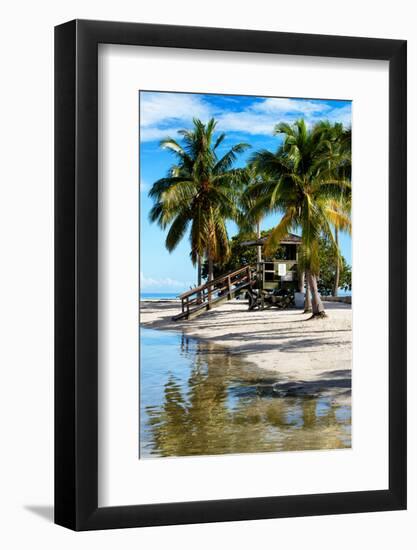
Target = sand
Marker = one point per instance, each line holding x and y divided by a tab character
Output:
287	342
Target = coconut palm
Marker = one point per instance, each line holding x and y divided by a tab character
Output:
305	192
199	193
337	163
343	169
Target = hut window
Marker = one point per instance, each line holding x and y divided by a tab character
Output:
269	276
290	252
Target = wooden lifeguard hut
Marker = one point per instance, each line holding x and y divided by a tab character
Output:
270	282
276	279
278	273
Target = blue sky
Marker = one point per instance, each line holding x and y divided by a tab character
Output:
244	119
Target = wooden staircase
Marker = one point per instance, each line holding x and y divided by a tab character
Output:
202	298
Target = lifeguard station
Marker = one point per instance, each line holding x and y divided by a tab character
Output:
270	282
276	279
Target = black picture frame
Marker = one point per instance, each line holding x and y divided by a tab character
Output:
76	272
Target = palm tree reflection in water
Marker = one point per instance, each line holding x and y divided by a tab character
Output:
213	402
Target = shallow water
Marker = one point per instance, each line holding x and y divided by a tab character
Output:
197	398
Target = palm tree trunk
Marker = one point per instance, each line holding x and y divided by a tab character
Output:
307	299
317	304
259	248
210	269
337	272
210	277
301	281
198	270
199	276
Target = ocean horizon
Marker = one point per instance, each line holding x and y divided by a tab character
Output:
159	295
174	295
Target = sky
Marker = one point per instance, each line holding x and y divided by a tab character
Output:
245	119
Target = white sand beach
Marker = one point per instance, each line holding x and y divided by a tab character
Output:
284	341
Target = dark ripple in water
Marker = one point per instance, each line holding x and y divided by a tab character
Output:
199	399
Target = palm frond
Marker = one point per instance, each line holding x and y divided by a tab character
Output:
229	158
165	184
280	231
219	141
177	230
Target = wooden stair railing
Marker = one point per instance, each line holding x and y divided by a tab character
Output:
200	299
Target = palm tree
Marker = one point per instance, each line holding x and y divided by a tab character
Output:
337	161
305	193
199	191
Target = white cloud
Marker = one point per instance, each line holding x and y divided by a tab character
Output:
252	122
165	282
261	117
144	186
153	133
342	114
285	105
163	108
249	122
163	114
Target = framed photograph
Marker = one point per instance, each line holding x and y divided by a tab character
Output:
230	247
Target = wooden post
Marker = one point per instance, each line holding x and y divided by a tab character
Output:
229	288
259	248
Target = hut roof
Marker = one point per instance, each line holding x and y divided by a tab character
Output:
289	239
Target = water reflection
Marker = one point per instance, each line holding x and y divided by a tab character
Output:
198	399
